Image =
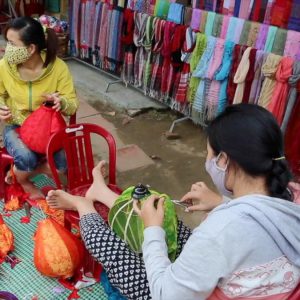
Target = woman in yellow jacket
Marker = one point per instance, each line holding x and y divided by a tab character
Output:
31	73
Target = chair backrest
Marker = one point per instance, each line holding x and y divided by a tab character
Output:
75	140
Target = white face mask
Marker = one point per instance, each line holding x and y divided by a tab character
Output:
217	175
16	55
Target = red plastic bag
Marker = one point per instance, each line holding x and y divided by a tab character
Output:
37	129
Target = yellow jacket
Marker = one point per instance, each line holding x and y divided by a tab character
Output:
23	97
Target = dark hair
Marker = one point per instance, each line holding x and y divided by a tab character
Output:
251	137
31	32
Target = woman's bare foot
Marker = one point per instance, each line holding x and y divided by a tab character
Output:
59	199
32	190
99	191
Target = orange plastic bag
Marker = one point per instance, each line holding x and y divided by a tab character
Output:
57	252
6	239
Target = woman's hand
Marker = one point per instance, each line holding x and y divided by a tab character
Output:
152	211
5	113
201	198
55	99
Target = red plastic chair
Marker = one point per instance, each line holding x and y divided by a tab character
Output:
76	142
296	293
6	161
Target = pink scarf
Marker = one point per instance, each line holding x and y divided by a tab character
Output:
280	95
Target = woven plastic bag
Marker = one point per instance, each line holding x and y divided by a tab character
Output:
130	228
57	252
37	129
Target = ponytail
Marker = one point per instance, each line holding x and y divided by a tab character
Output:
51	46
278	179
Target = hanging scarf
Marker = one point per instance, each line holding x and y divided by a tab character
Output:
198	4
294	20
75	28
92	28
83	30
196	18
204	15
237	8
256	83
292	141
245	33
292	45
219	6
222	75
161	8
262	37
198	109
228	7
224	28
210	23
240	76
114	56
96	46
195	58
280	13
267	17
105	20
140	21
213	86
270	38
253	33
155	86
182	88
269	70
209	5
231	29
128	45
293	81
150	29
238	30
167	69
279	98
176	13
217	27
258	10
245	10
250	76
279	42
237	56
188	11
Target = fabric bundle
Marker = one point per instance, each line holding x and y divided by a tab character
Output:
269	70
114	54
95	42
161	8
195	58
188	47
150	29
222	75
196	18
250	76
293	81
156	77
294	20
176	13
140	21
240	76
213	86
198	109
279	41
129	47
279	98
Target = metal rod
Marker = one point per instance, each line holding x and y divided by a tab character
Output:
177	121
112	82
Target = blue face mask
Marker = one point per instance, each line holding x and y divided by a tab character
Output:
217	175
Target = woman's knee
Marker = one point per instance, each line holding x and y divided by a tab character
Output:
25	160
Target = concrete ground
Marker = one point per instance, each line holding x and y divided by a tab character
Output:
144	155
